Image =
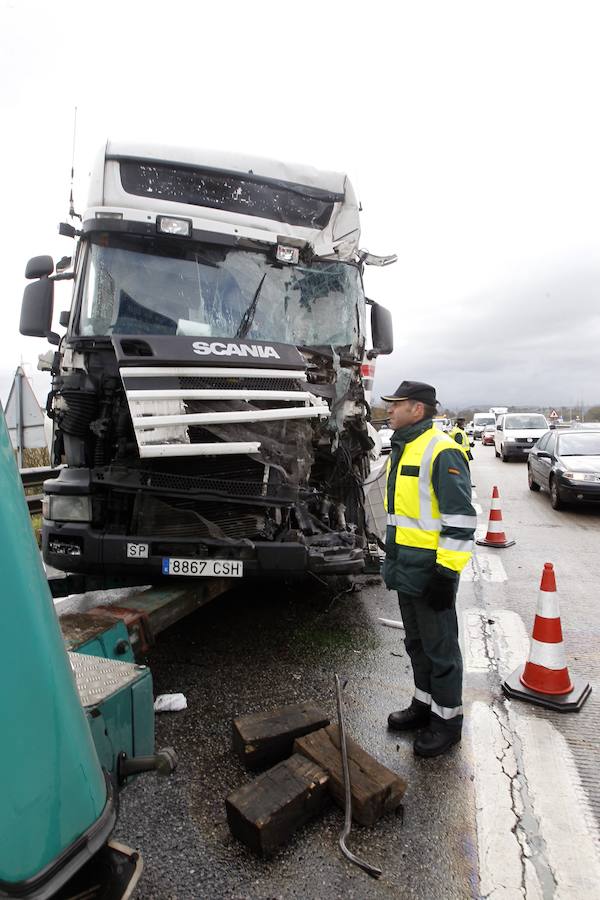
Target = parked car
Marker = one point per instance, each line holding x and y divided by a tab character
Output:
487	435
567	463
517	433
385	436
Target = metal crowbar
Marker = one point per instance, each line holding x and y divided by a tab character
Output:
368	868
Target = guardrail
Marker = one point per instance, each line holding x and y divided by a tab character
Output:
33	478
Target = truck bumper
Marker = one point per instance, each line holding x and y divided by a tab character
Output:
75	547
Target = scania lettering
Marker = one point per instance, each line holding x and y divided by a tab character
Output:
209	390
204	349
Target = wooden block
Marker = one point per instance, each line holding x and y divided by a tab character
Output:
375	788
268	737
265	813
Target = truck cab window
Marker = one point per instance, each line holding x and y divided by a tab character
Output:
132	287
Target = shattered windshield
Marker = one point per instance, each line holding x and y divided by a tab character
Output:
165	288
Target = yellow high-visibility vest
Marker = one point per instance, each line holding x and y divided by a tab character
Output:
416	515
465	439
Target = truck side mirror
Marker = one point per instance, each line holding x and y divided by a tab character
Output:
37	307
39	266
382	330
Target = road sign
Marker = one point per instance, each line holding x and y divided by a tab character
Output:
24	417
553	414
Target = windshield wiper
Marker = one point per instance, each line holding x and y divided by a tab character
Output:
248	317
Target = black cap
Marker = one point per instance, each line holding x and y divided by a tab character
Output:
414	390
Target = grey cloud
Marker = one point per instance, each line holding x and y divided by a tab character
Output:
536	341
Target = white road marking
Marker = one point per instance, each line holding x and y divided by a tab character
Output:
534	822
498	811
474	645
511	640
484	567
565	819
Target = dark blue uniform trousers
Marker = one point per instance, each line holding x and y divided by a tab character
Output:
432	644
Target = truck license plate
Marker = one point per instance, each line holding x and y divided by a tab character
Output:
209	568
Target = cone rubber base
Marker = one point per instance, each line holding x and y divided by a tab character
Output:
495	543
571	702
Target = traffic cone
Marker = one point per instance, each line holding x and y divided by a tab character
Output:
545	680
495	536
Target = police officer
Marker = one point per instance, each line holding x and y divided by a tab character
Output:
461	437
429	540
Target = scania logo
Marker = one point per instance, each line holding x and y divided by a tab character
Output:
203	348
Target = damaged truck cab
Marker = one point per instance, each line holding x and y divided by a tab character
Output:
208	399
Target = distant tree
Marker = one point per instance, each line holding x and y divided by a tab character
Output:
593	414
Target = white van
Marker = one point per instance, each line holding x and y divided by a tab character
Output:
517	433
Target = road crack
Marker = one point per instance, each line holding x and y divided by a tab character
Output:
526	828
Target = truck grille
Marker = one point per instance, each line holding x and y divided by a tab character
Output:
240	383
159	519
221	412
246	481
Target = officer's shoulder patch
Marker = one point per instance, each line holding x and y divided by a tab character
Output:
453	471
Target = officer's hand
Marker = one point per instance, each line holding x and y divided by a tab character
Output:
440	592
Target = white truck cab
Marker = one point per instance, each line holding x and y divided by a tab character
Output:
517	433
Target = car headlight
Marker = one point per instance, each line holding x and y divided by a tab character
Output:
581	476
511	440
67	508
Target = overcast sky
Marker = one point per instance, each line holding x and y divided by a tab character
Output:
469	129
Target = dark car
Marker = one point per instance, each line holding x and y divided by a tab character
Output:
568	464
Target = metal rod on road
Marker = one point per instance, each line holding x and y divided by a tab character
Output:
391	623
368	868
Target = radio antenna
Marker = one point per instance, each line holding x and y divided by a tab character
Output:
72	212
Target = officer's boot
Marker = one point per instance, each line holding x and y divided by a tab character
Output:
415	716
439	736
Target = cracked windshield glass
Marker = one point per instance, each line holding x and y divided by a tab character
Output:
217	291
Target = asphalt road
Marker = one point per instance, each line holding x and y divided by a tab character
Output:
511	812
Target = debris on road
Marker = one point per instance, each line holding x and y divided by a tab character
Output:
375	788
374	871
266	738
170	703
265	813
391	623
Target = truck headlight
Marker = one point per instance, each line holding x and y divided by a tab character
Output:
287	254
510	440
171	225
67	508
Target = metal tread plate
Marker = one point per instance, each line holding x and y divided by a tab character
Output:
98	678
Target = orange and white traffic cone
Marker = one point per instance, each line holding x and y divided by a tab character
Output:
495	536
545	680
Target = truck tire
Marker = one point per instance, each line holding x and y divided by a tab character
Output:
496	452
503	454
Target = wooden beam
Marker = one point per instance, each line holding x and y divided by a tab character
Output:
375	788
265	738
265	813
